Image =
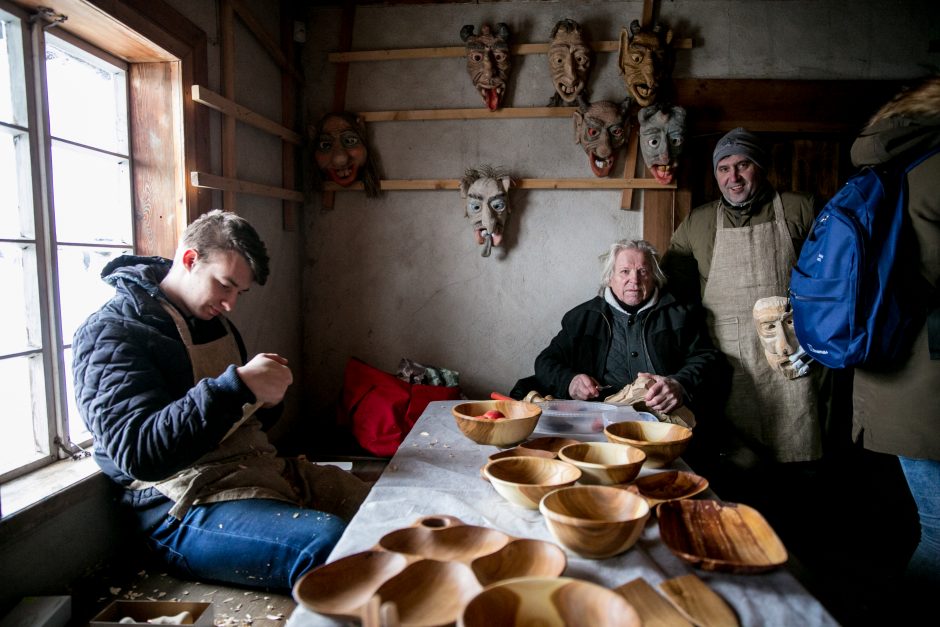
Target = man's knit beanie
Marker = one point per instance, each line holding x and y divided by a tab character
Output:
739	142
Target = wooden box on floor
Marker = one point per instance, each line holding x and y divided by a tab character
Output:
142	611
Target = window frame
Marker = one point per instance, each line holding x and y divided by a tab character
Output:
166	55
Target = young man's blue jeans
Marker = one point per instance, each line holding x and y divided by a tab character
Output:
923	478
258	543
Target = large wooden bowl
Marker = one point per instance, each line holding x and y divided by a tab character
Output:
595	521
548	602
525	480
727	537
604	463
518	424
661	441
421	605
671	485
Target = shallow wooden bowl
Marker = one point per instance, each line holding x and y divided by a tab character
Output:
525	480
341	588
552	444
661	441
595	521
422	605
519	451
520	558
671	485
461	543
548	602
604	463
727	537
518	424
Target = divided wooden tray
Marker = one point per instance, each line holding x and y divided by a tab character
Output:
430	570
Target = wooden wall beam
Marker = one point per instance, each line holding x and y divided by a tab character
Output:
546	183
209	98
227	54
272	47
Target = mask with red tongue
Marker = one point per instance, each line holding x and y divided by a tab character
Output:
662	134
601	130
486	190
488	61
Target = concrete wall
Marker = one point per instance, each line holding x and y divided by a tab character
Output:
400	276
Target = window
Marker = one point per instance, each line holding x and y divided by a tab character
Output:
65	212
86	173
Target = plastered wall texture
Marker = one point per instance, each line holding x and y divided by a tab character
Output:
400	276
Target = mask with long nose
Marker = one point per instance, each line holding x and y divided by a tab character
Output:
645	60
569	61
662	133
774	321
600	129
488	61
485	189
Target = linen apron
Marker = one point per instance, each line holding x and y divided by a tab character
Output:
749	263
245	465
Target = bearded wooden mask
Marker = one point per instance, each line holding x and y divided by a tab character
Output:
773	318
488	62
662	133
486	190
341	152
600	129
569	62
645	61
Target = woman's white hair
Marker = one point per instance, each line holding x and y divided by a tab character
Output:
610	257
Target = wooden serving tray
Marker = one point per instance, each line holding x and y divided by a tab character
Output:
430	571
727	537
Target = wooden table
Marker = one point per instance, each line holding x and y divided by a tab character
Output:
437	471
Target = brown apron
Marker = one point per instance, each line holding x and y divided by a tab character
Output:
245	465
750	263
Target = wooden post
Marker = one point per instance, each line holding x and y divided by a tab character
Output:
229	154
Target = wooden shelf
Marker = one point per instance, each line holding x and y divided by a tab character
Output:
477	113
548	183
460	51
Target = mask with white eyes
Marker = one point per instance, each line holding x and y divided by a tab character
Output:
662	133
773	319
486	190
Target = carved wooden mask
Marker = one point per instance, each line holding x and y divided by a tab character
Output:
601	130
645	61
488	61
662	133
569	62
486	190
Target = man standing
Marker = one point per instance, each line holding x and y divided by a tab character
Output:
178	417
732	253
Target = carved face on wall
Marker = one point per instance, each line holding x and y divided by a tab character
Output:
645	60
488	61
662	133
486	190
342	154
569	61
774	321
599	128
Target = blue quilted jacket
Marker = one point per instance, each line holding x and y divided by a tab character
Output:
135	390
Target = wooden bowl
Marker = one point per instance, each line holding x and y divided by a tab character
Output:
423	605
552	444
520	558
518	424
595	521
671	485
525	480
548	602
661	441
727	537
604	463
519	451
340	589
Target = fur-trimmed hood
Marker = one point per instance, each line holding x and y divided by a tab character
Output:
907	126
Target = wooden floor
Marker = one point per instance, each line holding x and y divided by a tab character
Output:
139	579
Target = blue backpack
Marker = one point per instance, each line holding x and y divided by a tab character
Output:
849	303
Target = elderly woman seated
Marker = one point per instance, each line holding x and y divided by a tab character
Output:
633	327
